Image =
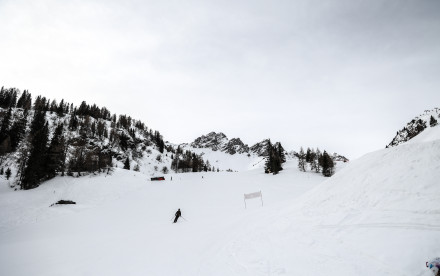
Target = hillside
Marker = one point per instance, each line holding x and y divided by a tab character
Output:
42	138
428	119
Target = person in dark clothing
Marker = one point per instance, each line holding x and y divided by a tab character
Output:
178	214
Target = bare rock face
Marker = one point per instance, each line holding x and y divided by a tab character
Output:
214	141
260	148
219	142
235	145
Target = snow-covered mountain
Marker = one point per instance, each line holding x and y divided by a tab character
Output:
213	140
220	142
429	118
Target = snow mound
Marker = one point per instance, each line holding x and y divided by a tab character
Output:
380	210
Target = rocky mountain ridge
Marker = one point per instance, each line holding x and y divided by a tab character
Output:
220	142
429	118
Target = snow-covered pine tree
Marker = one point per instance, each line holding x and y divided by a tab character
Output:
432	121
302	160
315	162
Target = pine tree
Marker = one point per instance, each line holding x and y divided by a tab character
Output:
34	171
73	122
4	129
327	164
93	129
56	153
275	157
38	122
60	109
1	171
301	160
315	161
308	155
8	173
17	132
281	154
268	166
432	121
127	164
161	145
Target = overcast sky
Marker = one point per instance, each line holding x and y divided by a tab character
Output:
341	75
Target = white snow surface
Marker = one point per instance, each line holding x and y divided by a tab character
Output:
379	215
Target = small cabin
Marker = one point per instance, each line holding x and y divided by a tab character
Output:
157	178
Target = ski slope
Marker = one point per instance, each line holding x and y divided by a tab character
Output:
379	215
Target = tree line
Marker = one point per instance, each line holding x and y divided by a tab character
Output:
317	161
275	157
189	162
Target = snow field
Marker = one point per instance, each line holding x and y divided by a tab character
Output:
379	215
122	223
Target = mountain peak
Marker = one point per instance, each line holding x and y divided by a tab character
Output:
212	140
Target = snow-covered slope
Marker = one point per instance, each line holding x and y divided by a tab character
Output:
379	215
428	119
225	161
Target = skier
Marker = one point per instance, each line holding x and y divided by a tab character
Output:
434	265
178	214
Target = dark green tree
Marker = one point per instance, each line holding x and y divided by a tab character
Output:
308	155
275	157
315	161
5	139
268	165
327	164
281	154
17	132
8	173
127	164
4	129
60	109
301	160
34	171
56	153
432	121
